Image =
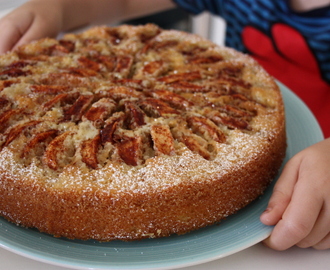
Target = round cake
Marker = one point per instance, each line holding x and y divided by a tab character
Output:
134	132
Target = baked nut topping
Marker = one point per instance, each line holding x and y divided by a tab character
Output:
192	105
115	101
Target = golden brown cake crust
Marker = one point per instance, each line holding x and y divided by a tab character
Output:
134	132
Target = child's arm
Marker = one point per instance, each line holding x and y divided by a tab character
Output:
39	18
300	205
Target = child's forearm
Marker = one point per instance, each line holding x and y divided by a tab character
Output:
77	13
117	10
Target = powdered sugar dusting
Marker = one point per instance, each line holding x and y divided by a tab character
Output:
158	173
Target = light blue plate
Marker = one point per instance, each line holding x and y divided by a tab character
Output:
238	232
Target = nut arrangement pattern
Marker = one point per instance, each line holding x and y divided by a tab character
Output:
139	101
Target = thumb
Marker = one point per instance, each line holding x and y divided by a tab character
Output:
10	35
13	27
282	194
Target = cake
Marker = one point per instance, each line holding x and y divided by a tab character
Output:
133	132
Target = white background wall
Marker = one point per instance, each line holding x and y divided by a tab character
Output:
210	27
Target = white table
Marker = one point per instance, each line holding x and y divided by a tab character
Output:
256	257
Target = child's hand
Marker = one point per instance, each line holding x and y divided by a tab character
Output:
31	21
39	18
300	204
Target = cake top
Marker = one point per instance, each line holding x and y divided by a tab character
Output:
132	107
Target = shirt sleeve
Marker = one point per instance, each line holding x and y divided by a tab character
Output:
198	6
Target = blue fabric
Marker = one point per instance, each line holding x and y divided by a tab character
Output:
313	25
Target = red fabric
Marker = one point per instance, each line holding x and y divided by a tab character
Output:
286	55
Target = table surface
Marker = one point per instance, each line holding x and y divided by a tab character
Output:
255	257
